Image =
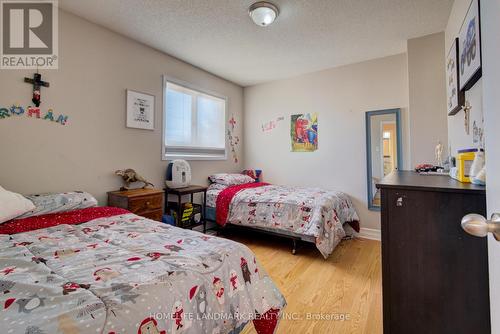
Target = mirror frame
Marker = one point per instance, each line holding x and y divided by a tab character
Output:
368	115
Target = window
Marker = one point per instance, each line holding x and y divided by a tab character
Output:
194	124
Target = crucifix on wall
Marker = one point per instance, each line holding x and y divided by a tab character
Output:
37	83
467	107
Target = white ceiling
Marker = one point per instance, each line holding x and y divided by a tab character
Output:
309	35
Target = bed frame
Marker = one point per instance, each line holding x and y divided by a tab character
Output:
295	238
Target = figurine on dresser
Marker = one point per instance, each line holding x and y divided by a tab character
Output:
130	176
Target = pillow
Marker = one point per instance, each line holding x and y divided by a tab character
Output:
230	179
216	187
253	173
59	202
13	205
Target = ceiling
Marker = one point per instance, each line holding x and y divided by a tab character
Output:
309	35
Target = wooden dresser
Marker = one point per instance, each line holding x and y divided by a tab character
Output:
143	202
434	275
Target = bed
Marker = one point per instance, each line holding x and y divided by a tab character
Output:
105	270
314	215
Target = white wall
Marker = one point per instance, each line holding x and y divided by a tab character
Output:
95	67
427	89
457	137
340	96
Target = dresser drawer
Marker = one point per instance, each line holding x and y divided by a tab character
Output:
144	204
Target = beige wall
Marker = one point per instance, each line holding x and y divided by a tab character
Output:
340	96
457	136
95	68
427	92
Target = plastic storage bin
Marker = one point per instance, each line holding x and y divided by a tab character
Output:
464	163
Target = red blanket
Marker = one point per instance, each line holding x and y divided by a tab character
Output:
54	219
226	196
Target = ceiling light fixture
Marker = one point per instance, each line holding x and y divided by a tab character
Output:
263	13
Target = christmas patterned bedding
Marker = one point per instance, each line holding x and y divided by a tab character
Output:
123	274
310	212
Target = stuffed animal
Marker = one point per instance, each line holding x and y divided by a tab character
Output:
129	176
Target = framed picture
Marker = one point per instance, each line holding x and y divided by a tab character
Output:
455	96
470	48
140	110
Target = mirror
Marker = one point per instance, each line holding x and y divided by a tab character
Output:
383	149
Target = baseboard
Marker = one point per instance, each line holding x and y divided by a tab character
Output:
369	233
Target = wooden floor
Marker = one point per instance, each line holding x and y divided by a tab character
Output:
348	284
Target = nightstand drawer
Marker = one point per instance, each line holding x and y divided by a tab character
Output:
143	204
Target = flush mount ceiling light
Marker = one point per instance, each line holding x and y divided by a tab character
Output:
263	13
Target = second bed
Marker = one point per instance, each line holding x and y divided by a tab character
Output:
315	215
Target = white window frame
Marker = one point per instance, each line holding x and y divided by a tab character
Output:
171	156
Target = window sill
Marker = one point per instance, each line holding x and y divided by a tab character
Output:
193	157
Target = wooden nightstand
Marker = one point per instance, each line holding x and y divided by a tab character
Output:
143	202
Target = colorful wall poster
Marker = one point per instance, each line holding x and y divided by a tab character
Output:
304	132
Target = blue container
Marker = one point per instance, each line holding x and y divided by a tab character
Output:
167	219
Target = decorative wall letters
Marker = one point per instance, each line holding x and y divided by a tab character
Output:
33	112
272	124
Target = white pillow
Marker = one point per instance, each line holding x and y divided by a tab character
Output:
230	179
13	205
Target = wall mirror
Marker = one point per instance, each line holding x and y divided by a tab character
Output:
383	149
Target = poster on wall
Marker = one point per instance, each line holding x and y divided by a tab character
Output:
455	97
304	132
470	48
140	110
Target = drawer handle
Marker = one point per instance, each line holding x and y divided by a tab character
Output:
399	202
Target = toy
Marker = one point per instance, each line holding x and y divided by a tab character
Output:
129	176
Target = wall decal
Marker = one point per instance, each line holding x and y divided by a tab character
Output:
304	132
37	84
232	122
233	140
272	124
32	112
478	134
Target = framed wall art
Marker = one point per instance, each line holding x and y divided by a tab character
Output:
140	110
470	48
455	96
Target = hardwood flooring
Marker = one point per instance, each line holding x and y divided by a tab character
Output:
348	284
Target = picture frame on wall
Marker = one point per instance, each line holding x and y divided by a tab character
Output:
455	96
469	48
140	110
